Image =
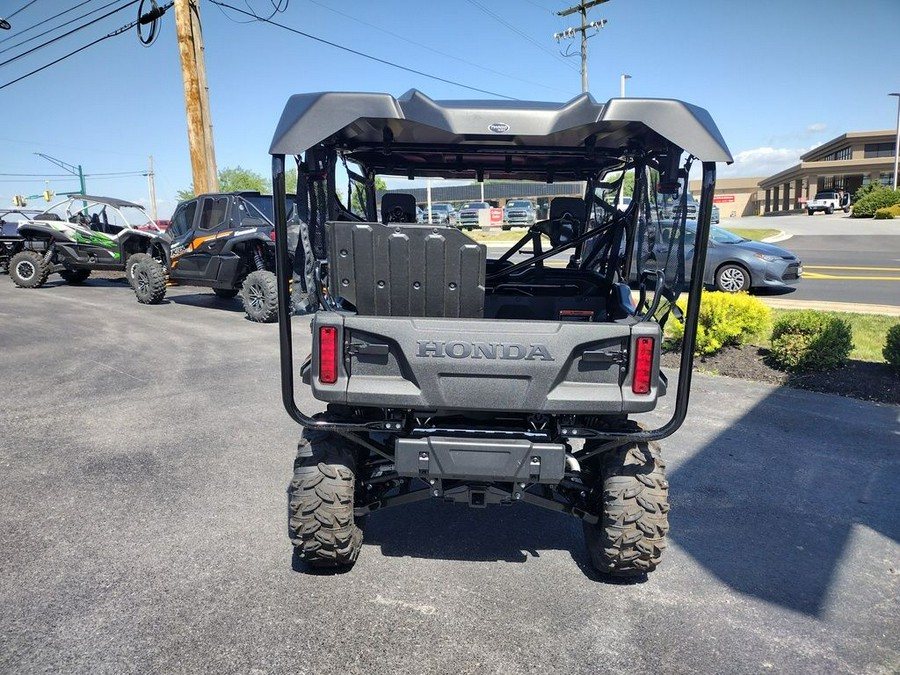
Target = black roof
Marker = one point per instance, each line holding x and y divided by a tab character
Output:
423	137
112	201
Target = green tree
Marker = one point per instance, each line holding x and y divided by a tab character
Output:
358	198
234	179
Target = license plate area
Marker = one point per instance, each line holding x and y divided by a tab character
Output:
509	460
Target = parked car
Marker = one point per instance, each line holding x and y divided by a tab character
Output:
442	214
829	201
519	212
693	208
733	263
468	214
10	239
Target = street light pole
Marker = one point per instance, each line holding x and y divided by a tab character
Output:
622	79
897	142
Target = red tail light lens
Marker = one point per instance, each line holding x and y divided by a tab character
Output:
272	234
328	354
643	365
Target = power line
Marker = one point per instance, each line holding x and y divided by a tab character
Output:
27	5
364	55
430	48
74	30
515	30
18	33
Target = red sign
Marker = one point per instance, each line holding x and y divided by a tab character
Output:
721	199
496	216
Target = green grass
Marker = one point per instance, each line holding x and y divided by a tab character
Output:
869	332
756	234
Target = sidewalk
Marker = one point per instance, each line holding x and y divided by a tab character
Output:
826	306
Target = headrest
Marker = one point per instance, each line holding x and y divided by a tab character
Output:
398	207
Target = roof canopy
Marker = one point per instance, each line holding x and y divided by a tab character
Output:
418	136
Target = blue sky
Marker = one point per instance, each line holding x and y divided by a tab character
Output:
778	76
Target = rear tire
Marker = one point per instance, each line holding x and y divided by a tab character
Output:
630	537
225	292
259	293
74	276
810	212
149	281
320	503
27	269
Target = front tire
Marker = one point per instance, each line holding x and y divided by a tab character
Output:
27	269
828	210
149	281
732	279
74	276
630	536
320	503
131	263
810	212
259	294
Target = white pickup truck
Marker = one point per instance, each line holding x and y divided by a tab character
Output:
828	201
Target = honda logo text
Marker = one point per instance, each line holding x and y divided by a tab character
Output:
505	351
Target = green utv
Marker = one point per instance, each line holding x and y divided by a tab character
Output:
450	375
77	236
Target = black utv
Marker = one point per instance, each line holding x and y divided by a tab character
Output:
223	241
449	375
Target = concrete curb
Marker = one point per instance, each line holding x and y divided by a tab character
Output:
781	236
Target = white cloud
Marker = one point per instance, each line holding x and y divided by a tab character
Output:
816	127
763	161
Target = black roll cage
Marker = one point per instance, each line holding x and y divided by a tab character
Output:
322	168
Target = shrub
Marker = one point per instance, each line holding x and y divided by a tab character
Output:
726	319
810	341
888	213
891	351
878	198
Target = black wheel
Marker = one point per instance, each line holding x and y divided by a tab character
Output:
320	502
828	210
74	276
732	278
226	292
630	536
846	209
131	262
259	293
27	269
810	212
149	281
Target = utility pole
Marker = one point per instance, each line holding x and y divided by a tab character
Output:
152	184
582	9
196	96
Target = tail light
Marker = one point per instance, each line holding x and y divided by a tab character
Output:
643	365
272	234
328	354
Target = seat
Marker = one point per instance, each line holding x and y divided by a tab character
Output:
565	220
398	207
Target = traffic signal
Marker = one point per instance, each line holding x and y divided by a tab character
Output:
19	200
47	195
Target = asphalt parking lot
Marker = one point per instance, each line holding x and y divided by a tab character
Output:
144	456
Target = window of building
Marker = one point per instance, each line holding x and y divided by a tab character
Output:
873	150
839	155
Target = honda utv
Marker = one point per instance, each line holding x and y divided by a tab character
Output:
79	235
223	241
447	374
